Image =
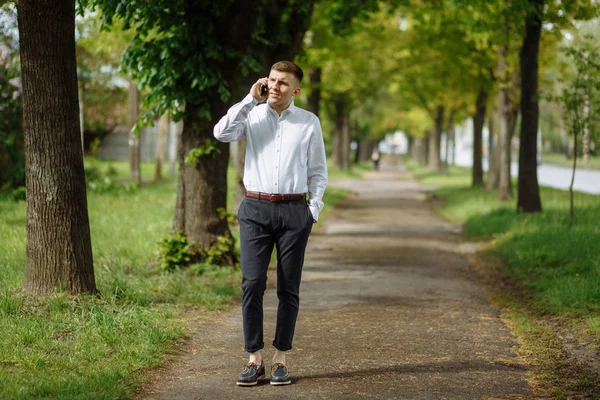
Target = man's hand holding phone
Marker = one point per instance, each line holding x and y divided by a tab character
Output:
260	90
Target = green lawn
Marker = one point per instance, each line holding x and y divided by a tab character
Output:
558	267
96	347
561	159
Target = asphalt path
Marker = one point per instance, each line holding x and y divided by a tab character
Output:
390	309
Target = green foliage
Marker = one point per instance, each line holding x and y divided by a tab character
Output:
208	149
224	214
12	156
558	267
87	347
174	251
184	53
98	182
580	97
19	194
100	83
216	253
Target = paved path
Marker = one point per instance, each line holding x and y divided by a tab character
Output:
389	310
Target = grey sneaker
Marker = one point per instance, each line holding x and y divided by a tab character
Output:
280	375
251	374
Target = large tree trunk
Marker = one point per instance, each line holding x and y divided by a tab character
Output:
134	137
163	127
341	140
314	99
239	162
435	140
529	192
478	121
202	186
59	251
493	176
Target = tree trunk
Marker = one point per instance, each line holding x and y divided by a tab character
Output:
174	145
571	193
586	138
493	176
478	121
59	251
345	150
239	162
134	138
314	99
163	127
435	140
341	127
449	139
528	190
202	186
504	136
365	147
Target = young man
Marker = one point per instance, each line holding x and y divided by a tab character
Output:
285	159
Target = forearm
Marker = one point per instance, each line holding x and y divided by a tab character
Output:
232	126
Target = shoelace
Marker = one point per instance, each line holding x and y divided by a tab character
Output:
277	366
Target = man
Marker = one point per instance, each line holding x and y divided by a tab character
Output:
285	159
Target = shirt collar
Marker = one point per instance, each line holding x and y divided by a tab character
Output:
291	108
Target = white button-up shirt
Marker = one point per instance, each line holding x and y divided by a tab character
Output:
284	154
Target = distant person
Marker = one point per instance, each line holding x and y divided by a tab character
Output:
285	159
375	158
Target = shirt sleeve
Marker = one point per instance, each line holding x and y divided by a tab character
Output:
317	170
232	126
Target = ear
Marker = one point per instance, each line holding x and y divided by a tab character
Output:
296	92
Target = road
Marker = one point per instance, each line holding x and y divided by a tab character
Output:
559	177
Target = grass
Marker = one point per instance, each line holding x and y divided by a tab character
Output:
560	266
561	159
544	272
88	347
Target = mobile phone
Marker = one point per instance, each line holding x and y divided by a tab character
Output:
264	90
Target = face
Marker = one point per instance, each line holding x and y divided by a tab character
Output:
282	87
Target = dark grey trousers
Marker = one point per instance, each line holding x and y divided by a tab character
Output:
264	224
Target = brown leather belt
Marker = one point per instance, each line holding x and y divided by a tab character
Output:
275	197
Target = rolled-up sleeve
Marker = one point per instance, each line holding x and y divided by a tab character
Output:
317	170
232	126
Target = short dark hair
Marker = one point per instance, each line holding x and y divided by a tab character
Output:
288	66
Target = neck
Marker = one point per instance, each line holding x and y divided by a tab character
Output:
280	109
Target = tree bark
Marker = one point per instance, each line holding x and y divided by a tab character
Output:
341	140
59	251
435	140
239	162
504	136
478	121
202	188
528	189
163	127
449	139
493	176
314	99
134	138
